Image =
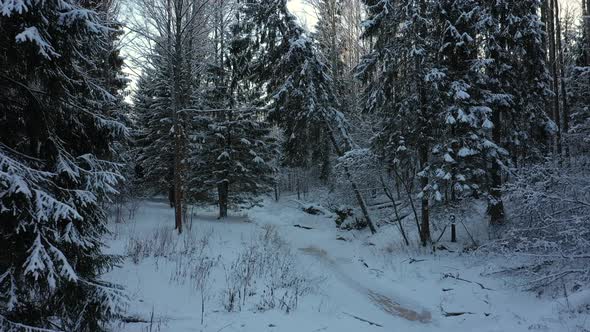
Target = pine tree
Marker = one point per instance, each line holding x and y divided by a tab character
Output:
464	145
235	158
404	88
154	139
329	36
517	85
53	181
300	90
578	78
447	105
234	148
175	66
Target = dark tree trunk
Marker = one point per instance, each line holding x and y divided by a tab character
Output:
425	210
171	194
223	192
495	204
177	106
423	148
564	103
554	71
587	32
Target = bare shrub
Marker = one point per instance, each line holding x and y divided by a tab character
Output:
551	224
137	250
160	243
267	268
200	277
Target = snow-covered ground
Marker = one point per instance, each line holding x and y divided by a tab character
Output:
303	280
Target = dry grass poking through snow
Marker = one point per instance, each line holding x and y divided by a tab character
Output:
266	272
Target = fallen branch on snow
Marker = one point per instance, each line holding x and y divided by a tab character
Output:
449	275
455	313
362	319
133	319
304	227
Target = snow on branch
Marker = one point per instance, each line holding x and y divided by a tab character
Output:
31	34
7	325
552	228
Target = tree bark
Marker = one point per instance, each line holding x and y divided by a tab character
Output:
554	70
495	204
223	192
587	32
425	209
559	45
177	106
423	148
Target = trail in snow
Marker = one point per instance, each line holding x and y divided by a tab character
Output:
383	302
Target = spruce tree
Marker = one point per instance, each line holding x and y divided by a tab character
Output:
404	87
235	158
517	88
234	149
300	91
578	78
56	131
154	138
330	39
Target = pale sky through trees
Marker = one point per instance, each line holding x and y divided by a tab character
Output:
307	16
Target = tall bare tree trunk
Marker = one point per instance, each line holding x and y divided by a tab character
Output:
424	146
586	13
551	14
559	45
176	108
223	192
425	210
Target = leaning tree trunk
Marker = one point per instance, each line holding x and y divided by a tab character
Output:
357	193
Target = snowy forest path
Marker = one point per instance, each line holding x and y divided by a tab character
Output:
383	302
313	236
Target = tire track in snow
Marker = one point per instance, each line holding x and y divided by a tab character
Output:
383	302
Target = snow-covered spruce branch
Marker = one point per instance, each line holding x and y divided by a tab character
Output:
7	325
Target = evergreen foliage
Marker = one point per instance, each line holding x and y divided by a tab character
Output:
60	77
298	83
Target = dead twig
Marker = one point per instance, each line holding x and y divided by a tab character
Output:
449	275
362	319
133	319
413	260
304	227
455	313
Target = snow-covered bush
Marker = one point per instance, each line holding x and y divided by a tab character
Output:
550	223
